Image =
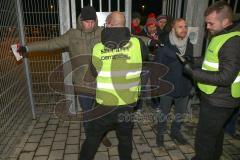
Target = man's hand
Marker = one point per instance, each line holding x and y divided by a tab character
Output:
187	66
22	50
188	69
155	43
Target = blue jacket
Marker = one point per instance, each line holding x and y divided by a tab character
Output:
166	54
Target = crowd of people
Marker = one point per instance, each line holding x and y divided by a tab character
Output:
116	62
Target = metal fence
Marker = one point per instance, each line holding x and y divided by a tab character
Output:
41	22
15	107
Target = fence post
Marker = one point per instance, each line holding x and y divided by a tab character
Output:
164	6
195	18
179	7
64	15
25	60
128	12
74	16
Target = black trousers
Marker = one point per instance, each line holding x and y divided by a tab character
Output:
119	119
165	107
210	131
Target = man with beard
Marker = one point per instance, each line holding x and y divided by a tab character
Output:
176	42
218	81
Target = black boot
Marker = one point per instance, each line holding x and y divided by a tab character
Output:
159	140
179	138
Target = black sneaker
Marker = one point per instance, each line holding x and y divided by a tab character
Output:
179	138
159	140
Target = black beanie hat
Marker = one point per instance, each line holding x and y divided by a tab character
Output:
88	13
136	15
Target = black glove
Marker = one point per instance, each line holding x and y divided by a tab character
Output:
187	69
155	43
22	50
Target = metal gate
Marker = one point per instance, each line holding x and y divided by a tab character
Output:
15	108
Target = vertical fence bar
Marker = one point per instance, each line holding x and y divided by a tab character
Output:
100	5
91	2
179	7
167	10
170	7
109	5
25	60
82	4
128	12
175	3
73	11
235	6
118	5
164	5
64	14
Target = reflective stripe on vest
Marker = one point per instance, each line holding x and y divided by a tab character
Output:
118	80
211	63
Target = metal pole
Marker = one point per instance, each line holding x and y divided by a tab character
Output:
109	5
235	6
82	4
73	10
91	2
118	5
100	5
64	15
170	8
167	7
25	60
179	8
164	5
174	8
128	12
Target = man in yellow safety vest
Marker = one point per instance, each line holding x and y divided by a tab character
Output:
218	81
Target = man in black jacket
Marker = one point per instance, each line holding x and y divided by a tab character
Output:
218	81
176	42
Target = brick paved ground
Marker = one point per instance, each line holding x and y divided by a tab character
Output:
49	138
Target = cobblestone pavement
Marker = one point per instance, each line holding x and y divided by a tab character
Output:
49	138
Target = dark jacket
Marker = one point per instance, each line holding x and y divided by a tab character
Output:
229	67
166	54
78	42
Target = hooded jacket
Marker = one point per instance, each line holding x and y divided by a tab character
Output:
78	42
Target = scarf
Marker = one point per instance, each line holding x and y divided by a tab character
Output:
181	44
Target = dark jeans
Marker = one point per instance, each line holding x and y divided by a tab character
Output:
165	108
210	131
155	102
99	126
86	103
232	122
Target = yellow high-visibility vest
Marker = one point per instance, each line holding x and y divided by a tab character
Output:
118	80
211	63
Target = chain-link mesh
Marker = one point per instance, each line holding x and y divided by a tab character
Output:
15	107
41	22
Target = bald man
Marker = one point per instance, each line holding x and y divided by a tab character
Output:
116	67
